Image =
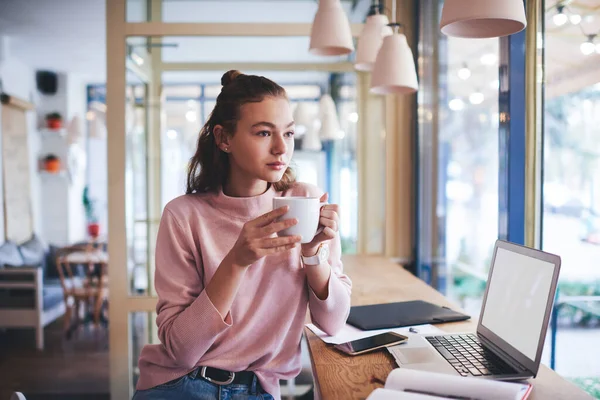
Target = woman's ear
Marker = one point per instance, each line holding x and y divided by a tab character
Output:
221	138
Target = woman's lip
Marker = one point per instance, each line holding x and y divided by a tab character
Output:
276	164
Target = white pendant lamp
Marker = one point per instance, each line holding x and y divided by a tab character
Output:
394	71
303	118
311	140
482	18
330	33
330	124
371	38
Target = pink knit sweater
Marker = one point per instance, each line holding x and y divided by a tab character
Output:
262	332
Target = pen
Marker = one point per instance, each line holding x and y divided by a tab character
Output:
413	330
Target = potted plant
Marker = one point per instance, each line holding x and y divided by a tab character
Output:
52	163
54	120
93	227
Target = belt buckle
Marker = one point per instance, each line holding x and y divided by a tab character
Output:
211	380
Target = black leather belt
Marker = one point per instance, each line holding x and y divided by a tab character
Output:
222	377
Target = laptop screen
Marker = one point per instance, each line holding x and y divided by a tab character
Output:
517	298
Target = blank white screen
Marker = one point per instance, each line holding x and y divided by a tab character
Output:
517	299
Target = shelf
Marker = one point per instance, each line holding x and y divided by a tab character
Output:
62	173
49	133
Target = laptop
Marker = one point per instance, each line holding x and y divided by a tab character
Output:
512	324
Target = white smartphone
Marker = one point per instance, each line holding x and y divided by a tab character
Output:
370	343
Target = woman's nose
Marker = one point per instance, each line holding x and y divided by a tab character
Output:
279	146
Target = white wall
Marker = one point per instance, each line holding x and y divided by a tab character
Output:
18	80
63	219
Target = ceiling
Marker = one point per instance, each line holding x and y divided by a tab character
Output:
567	68
61	35
69	36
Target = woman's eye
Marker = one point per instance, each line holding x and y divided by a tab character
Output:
290	134
264	133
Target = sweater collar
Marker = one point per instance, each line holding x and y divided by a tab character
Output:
246	208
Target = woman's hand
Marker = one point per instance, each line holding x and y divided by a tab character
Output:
330	221
257	240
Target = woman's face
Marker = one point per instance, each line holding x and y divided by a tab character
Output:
263	143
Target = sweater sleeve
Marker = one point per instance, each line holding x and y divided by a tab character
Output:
188	322
331	313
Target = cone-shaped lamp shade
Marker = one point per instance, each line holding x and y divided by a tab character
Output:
303	118
330	124
394	70
482	18
330	33
370	41
311	140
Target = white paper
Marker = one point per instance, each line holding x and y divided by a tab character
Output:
386	394
436	384
349	332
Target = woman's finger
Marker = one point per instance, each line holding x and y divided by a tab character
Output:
330	207
330	214
324	197
329	232
280	249
269	217
276	227
269	243
329	223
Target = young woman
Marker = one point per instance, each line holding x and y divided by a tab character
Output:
232	293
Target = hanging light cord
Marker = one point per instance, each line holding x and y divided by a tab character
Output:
394	25
374	9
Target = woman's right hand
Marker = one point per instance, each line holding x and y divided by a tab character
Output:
256	239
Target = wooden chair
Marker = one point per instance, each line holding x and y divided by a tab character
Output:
84	279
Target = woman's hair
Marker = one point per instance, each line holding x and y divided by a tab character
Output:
209	167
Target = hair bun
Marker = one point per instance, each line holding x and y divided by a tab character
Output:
229	76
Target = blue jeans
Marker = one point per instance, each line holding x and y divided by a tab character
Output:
193	387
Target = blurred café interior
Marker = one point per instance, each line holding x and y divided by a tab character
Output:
436	133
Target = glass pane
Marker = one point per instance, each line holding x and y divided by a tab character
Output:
143	331
571	187
137	11
459	156
169	139
331	167
254	11
183	117
96	159
468	154
136	187
241	49
212	79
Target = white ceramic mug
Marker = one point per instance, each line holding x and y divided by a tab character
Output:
307	210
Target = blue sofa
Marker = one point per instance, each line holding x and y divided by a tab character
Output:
31	295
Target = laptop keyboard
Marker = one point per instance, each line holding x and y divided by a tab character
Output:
468	357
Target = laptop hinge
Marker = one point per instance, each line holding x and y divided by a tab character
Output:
502	354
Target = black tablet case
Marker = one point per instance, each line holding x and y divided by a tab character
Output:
405	313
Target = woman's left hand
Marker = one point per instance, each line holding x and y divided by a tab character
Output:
329	221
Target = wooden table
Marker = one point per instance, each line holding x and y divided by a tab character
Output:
379	280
